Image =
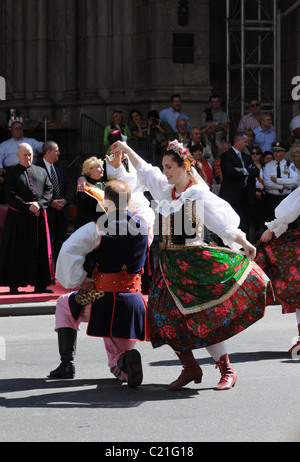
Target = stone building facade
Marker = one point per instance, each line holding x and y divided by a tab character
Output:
64	58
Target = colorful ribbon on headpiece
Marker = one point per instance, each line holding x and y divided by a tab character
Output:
182	152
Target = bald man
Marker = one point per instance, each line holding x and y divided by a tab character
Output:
25	256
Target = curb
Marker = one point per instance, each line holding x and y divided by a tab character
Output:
27	309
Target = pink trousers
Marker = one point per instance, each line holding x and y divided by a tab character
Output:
114	347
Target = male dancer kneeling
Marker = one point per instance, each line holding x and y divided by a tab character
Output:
105	259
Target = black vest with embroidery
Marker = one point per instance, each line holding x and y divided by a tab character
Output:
178	227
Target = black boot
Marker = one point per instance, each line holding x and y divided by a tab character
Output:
130	362
67	339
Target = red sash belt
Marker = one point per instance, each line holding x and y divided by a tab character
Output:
112	282
118	282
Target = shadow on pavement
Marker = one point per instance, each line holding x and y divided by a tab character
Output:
108	393
86	393
240	357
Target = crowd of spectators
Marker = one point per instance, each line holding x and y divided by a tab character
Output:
258	188
253	173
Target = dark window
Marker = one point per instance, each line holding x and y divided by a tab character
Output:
183	48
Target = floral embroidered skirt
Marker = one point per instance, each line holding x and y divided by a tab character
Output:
203	295
280	259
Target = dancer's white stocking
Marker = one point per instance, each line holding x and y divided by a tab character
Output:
298	315
218	350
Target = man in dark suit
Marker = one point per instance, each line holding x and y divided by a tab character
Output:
24	252
58	212
238	171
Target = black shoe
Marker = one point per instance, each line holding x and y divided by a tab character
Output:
63	371
43	290
130	362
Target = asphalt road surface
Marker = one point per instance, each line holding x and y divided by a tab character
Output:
95	407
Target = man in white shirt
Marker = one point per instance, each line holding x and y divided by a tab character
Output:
280	177
9	148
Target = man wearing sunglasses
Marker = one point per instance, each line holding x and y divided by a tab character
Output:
251	120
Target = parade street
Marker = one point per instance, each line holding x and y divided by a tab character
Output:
95	407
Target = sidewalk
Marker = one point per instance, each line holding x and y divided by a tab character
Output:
27	309
29	303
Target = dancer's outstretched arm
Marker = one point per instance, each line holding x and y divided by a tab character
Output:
122	146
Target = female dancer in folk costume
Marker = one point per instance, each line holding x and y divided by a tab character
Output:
278	253
200	294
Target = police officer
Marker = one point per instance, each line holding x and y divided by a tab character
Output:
280	178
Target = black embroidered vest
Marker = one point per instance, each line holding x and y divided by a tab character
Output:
178	227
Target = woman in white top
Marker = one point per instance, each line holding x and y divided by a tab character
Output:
279	255
200	294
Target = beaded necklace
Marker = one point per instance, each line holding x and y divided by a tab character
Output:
174	198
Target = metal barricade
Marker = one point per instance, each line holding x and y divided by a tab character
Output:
90	139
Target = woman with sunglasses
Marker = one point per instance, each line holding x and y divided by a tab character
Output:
256	198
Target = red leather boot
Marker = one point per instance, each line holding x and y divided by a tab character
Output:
297	344
191	370
228	374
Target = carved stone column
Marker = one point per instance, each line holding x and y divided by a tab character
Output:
18	51
91	27
116	70
41	92
71	61
104	54
30	50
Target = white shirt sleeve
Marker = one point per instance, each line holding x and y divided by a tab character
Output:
292	180
269	170
214	212
129	177
152	179
219	217
148	178
140	206
71	258
286	212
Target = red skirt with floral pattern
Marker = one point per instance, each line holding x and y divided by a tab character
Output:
204	295
280	259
